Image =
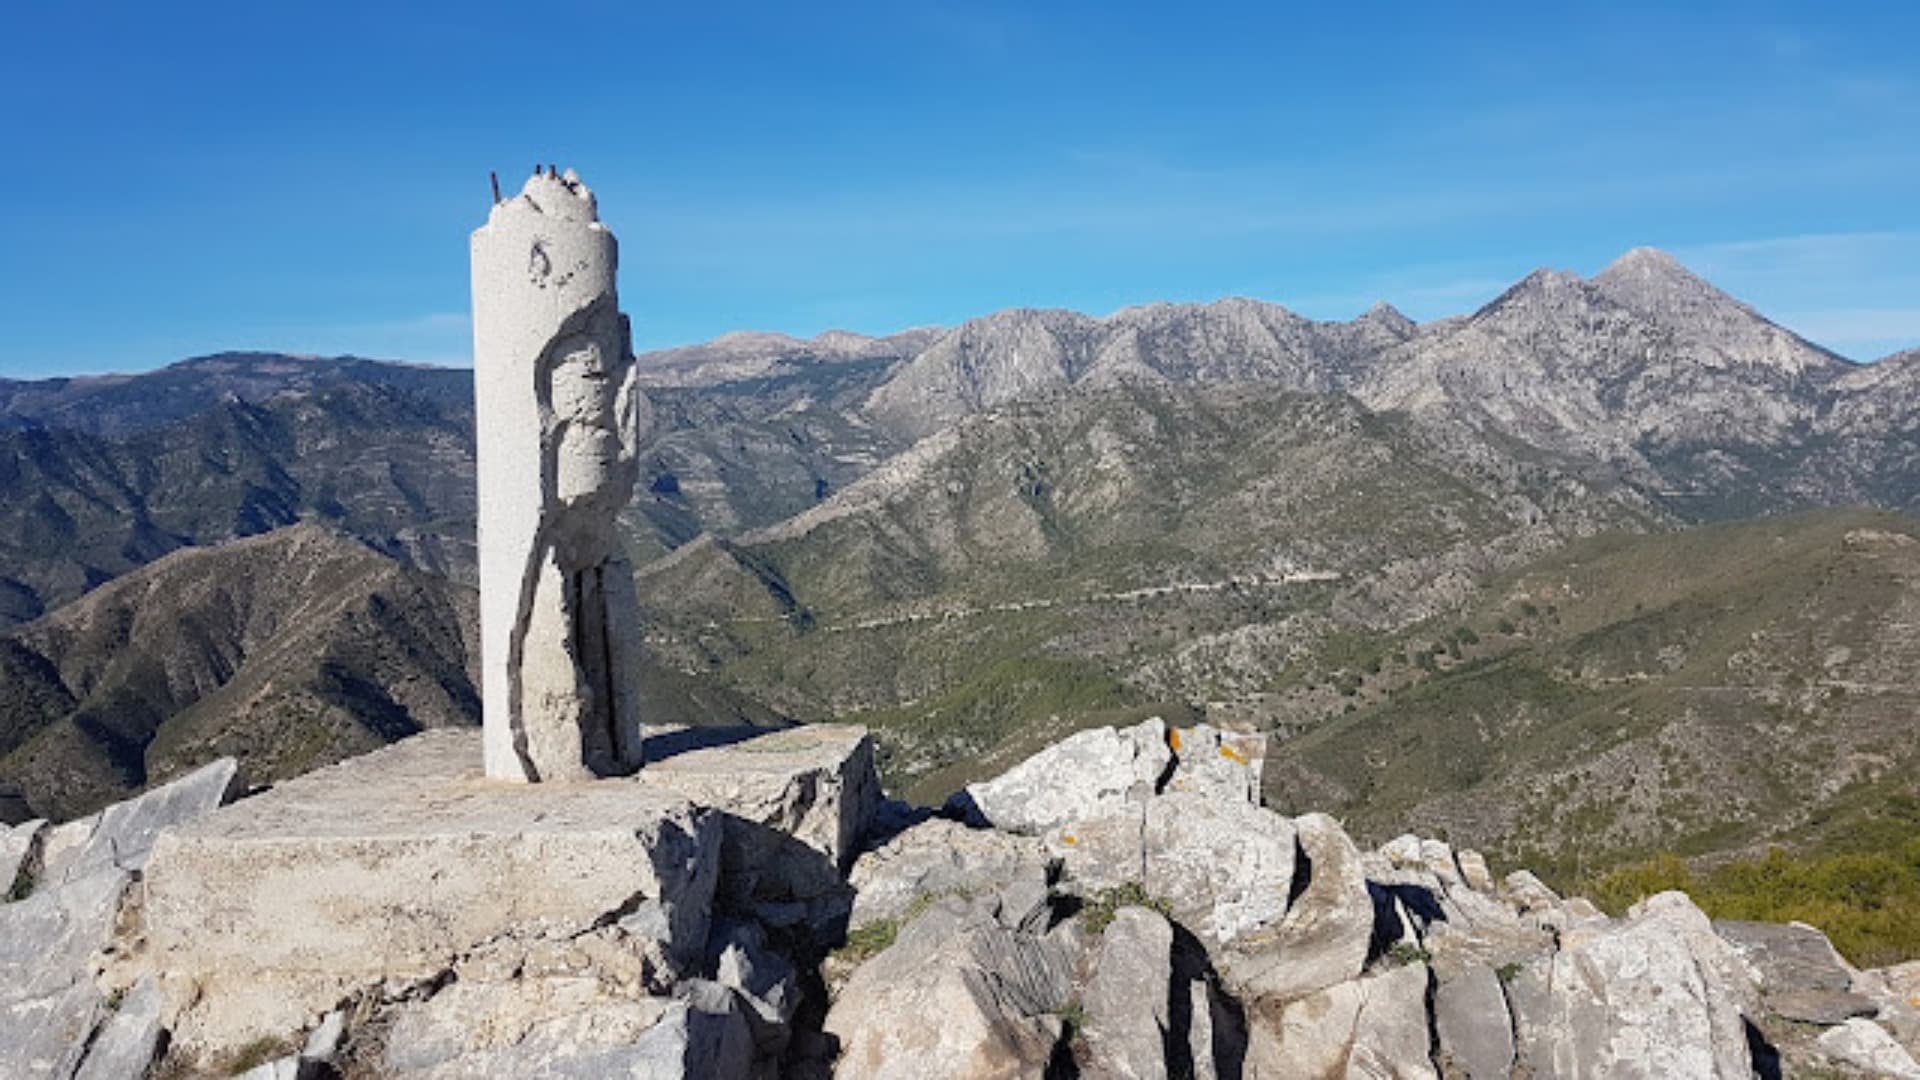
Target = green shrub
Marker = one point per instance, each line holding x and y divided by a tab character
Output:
1407	952
1098	914
868	940
1867	902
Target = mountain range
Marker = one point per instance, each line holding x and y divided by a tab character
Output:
974	539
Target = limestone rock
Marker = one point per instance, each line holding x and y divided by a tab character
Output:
571	1028
126	1043
1865	1045
1656	995
1327	928
122	835
993	993
1374	1027
795	804
1087	775
939	857
1475	1029
48	941
1126	998
1473	869
19	849
1218	764
44	1037
1225	867
394	866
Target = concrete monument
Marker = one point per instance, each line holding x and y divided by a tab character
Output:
557	420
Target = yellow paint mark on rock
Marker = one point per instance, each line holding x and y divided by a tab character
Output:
1068	838
1232	755
1173	739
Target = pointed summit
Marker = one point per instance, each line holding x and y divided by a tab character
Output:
1643	267
1386	315
1652	284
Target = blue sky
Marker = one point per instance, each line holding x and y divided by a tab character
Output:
185	177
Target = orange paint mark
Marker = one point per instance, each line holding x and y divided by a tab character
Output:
1173	739
1233	755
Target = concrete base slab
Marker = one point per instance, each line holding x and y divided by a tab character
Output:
390	868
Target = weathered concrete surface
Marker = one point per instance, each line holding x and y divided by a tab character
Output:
795	804
570	1027
393	866
1089	774
556	414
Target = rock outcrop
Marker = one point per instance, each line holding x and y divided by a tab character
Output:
744	908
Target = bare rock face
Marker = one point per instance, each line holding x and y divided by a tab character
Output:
1084	776
940	858
557	428
1127	999
1656	995
20	851
1369	1027
1222	765
55	1020
956	995
793	805
1865	1045
1225	868
1473	1025
1328	927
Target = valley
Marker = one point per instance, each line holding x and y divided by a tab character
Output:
1608	567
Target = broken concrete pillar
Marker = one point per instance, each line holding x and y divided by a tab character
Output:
557	423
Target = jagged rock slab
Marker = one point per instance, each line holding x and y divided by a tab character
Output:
1087	775
19	848
126	1043
1656	995
44	1038
1220	764
1864	1045
1375	1026
393	866
122	835
1474	1028
48	941
1226	868
795	803
955	995
938	858
1126	998
1328	926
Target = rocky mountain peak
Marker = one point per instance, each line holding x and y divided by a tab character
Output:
1386	315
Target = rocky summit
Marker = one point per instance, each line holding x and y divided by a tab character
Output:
1119	904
